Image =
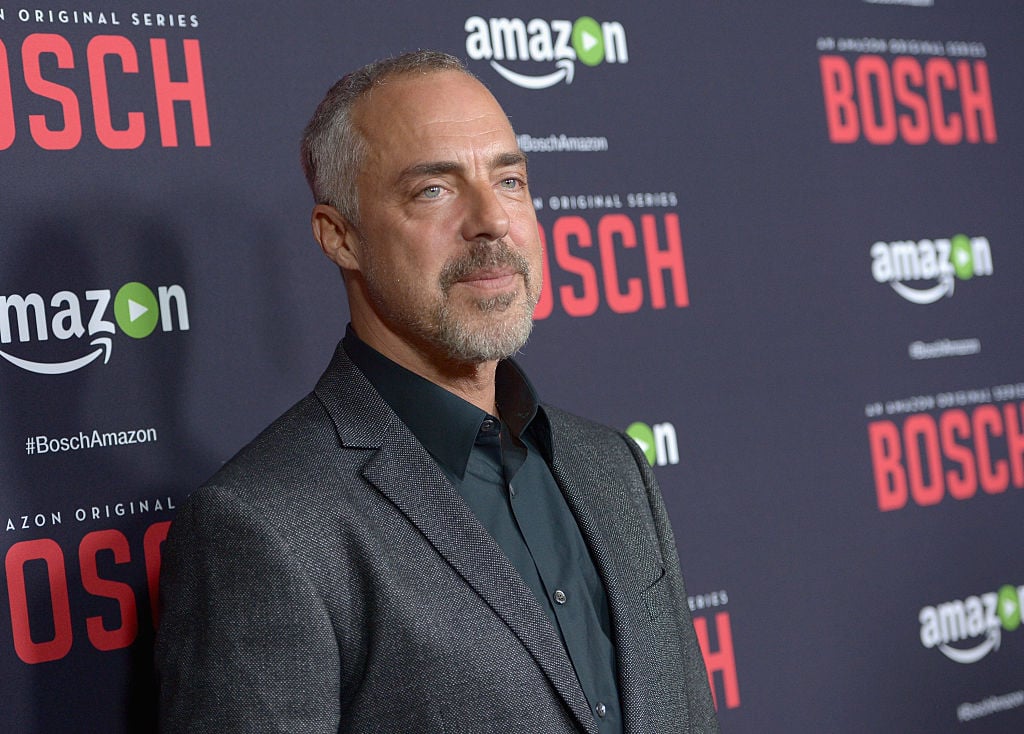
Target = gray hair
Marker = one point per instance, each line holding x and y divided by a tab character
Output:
333	150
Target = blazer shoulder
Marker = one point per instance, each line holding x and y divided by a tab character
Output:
562	421
297	462
589	440
306	425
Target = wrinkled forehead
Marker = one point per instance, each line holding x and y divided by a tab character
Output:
435	109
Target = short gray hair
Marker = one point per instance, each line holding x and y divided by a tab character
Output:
333	149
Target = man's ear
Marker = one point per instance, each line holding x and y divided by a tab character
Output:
337	237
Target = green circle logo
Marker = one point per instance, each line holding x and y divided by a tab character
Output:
962	256
644	437
588	40
1009	608
136	310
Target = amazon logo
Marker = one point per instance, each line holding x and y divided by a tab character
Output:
558	44
83	319
966	630
926	271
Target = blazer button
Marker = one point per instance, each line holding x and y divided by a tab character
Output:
559	596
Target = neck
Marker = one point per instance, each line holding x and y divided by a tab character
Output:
475	384
471	381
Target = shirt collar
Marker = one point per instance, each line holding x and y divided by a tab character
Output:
444	423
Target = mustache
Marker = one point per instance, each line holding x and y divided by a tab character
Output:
483	255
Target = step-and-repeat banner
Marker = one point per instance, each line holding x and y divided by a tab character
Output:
783	251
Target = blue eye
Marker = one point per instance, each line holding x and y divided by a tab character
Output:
431	192
511	183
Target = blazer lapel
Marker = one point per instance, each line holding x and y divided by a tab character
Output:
404	472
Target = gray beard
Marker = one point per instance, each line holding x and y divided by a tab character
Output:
464	340
494	340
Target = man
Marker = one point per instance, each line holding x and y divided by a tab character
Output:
418	546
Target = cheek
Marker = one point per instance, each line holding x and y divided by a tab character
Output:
523	223
527	239
414	252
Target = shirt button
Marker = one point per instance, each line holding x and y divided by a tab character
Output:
559	596
487	426
601	710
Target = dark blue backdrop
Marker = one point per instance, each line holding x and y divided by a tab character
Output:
741	204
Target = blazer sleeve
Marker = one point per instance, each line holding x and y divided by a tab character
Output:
244	642
700	704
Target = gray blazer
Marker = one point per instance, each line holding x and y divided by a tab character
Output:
329	578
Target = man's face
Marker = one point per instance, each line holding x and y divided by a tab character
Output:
447	241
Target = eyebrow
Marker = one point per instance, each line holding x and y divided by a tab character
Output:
438	168
518	158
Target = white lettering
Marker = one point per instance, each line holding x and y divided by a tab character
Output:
614	43
167	295
97	324
68	322
563	50
21	305
508	39
666	445
478	40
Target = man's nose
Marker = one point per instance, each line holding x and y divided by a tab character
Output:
486	216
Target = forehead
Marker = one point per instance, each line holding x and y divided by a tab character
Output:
416	115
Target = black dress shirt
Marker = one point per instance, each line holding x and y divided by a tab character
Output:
501	468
